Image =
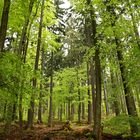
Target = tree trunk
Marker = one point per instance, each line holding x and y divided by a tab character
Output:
14	111
4	22
61	112
131	108
31	109
97	119
22	46
121	95
72	112
41	84
89	96
92	82
79	96
50	118
97	123
69	109
4	110
22	51
83	111
90	72
105	97
135	28
40	105
137	96
79	106
115	97
20	108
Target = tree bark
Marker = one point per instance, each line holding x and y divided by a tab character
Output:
14	115
79	96
97	119
72	112
20	107
61	112
50	118
115	97
105	97
92	82
4	23
97	123
22	46
41	87
89	96
83	111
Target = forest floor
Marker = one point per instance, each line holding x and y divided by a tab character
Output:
57	132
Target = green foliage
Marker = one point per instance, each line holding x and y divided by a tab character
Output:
13	74
120	125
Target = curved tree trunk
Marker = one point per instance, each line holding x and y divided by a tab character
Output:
4	22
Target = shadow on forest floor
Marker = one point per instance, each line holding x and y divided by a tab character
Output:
58	132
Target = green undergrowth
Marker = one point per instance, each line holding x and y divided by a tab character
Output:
119	125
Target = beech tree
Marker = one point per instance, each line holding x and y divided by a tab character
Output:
4	22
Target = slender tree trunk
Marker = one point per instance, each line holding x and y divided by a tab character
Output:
31	109
115	97
50	119
89	96
90	73
24	30
83	111
121	95
22	51
105	97
20	108
40	95
92	82
135	28
79	97
14	109
97	123
4	111
97	119
137	95
72	112
61	112
79	106
68	110
40	105
4	22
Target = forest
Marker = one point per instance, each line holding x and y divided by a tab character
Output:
70	70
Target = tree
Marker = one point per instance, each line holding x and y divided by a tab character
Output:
31	109
131	108
4	22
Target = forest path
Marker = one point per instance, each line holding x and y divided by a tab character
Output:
57	132
42	132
